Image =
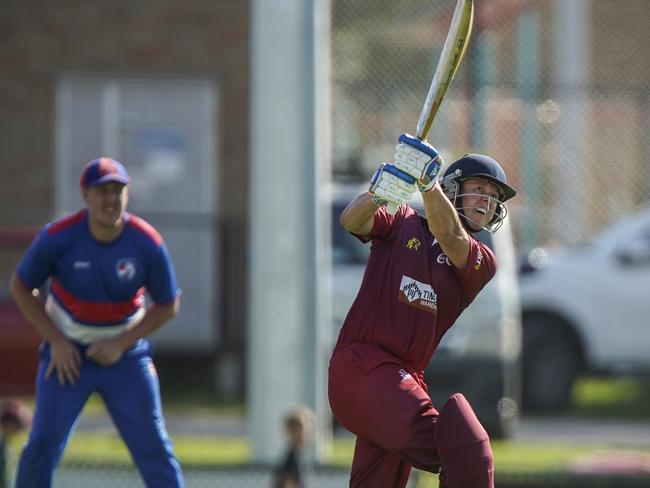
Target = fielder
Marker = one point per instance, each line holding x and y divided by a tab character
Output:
94	321
421	274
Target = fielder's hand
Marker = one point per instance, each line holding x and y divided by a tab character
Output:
392	186
65	361
419	159
105	352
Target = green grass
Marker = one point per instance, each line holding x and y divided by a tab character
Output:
593	397
235	450
520	457
627	398
208	450
190	449
507	454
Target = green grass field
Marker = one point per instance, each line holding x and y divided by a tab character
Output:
598	398
627	398
196	451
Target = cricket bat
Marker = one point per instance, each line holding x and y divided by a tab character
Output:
450	58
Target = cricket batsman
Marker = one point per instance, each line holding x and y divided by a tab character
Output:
422	272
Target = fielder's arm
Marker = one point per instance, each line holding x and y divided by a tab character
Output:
31	306
64	356
444	223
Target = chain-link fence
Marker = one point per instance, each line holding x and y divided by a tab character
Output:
545	88
106	475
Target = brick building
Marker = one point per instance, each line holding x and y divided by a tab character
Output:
43	42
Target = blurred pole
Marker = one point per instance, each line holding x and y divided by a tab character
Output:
321	263
571	63
289	231
646	139
528	89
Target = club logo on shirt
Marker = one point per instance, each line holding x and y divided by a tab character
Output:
417	294
125	269
413	243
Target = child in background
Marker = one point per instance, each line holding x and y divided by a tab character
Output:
290	473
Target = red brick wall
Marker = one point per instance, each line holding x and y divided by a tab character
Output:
181	37
197	38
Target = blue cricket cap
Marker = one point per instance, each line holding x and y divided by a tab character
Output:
104	170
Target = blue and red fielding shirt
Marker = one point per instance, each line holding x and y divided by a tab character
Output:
98	289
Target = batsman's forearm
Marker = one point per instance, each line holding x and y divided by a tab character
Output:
358	216
154	319
31	306
444	223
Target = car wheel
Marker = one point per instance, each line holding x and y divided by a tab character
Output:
551	364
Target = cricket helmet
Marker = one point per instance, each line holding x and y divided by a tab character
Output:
477	166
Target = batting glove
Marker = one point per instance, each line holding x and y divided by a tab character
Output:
419	159
392	186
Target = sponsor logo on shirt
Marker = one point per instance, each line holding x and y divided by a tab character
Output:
81	265
443	259
125	269
417	294
413	243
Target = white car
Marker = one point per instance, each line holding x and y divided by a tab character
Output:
586	309
480	355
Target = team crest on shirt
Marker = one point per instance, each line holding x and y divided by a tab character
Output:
413	243
125	269
417	294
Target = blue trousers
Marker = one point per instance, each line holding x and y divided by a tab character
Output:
131	393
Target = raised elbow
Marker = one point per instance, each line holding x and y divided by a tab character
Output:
352	225
345	221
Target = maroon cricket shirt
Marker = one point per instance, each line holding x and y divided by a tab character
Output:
411	294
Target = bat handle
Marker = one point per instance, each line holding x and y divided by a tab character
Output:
392	208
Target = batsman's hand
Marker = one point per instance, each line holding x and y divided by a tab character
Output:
419	159
392	186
